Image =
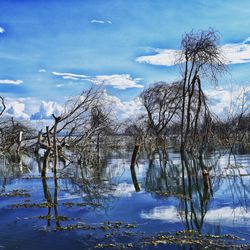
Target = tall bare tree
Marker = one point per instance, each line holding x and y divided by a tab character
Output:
201	57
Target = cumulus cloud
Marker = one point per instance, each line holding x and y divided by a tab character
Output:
31	109
118	81
233	53
46	110
100	21
2	30
21	108
123	109
34	109
17	110
223	100
12	82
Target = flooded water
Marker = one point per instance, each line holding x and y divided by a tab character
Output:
110	206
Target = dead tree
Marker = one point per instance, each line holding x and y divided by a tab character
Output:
12	134
233	131
201	57
162	104
83	120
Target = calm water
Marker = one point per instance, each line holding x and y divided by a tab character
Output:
92	207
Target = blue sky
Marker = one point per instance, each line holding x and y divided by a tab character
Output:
105	42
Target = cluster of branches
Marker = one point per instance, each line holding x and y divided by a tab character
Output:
177	110
78	129
234	130
180	109
12	133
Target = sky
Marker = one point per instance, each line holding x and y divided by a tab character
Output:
52	49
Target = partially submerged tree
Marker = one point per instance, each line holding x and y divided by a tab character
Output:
201	57
79	127
233	130
162	102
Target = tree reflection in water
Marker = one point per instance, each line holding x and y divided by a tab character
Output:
193	180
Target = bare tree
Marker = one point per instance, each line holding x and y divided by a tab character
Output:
202	57
12	134
233	130
162	102
82	122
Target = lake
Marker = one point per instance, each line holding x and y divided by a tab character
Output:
165	203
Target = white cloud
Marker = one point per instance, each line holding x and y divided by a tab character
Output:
21	108
69	75
118	81
237	52
225	216
17	110
42	70
13	82
123	190
97	21
164	213
233	53
228	216
100	21
2	30
225	101
121	109
165	57
31	108
46	110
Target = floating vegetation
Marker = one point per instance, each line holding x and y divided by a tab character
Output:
15	193
190	237
81	204
49	217
105	246
116	246
186	237
32	205
78	226
116	225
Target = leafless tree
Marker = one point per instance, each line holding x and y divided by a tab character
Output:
202	58
79	127
233	130
162	102
12	134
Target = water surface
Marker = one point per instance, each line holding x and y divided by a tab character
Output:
105	205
